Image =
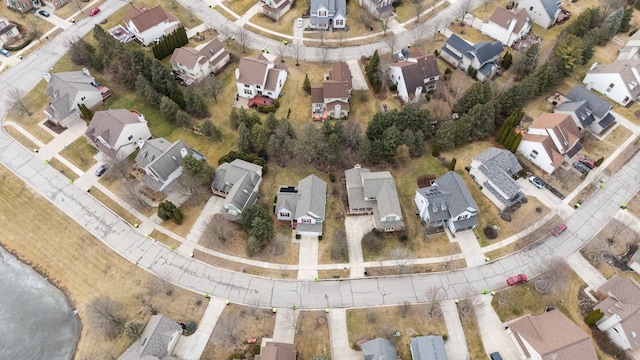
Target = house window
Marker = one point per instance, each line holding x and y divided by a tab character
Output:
83	98
306	221
9	33
130	137
339	22
390	218
610	87
534	154
258	86
322	13
462	217
284	214
389	229
248	92
431	79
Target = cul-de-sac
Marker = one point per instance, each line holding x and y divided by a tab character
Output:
320	179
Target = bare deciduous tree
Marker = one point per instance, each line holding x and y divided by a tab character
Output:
464	8
14	101
193	187
105	316
385	24
135	196
405	308
217	230
418	7
211	87
119	167
291	319
434	295
322	53
418	33
554	274
400	256
391	42
298	51
242	37
282	50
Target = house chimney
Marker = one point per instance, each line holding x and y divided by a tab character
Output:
593	66
140	143
237	74
141	118
356	166
86	71
184	152
47	77
418	91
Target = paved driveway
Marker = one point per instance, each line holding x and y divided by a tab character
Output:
357	227
357	77
494	335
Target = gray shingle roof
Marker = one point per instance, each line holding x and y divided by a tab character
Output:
313	197
598	105
580	109
162	158
428	348
238	180
448	197
154	339
551	7
457	43
379	349
62	90
486	51
499	166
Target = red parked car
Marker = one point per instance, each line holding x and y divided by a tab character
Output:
94	12
559	229
517	279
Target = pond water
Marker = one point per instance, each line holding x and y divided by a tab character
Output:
36	321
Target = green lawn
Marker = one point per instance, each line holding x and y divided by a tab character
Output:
80	153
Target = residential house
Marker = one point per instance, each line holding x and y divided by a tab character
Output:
116	133
277	351
621	308
427	348
482	56
448	203
161	161
327	14
156	341
260	77
494	170
56	4
195	64
630	49
379	349
150	25
8	31
69	89
23	6
374	193
379	9
238	183
542	12
550	141
552	336
275	9
506	26
331	100
416	75
303	206
619	81
588	110
634	262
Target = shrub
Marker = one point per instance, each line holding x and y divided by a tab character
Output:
393	87
190	327
490	232
332	177
445	337
266	109
177	216
404	237
298	236
435	152
372	242
437	53
132	329
593	317
599	161
21	46
319	237
166	210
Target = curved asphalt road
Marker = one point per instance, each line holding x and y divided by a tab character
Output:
257	291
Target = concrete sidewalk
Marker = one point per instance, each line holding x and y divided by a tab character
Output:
191	347
456	344
591	276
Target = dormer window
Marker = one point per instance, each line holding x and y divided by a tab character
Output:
83	98
322	13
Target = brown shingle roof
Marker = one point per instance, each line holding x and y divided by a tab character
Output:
332	105
624	300
317	94
554	336
547	144
340	72
189	56
563	127
336	89
503	17
144	19
252	71
277	351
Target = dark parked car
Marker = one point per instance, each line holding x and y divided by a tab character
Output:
517	279
537	182
102	169
585	160
43	13
559	229
581	167
495	356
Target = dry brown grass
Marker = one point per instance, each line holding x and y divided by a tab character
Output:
331	274
312	337
70	258
165	239
410	321
190	211
248	269
237	324
613	240
402	268
472	335
63	169
20	137
36	101
533	236
80	153
115	207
